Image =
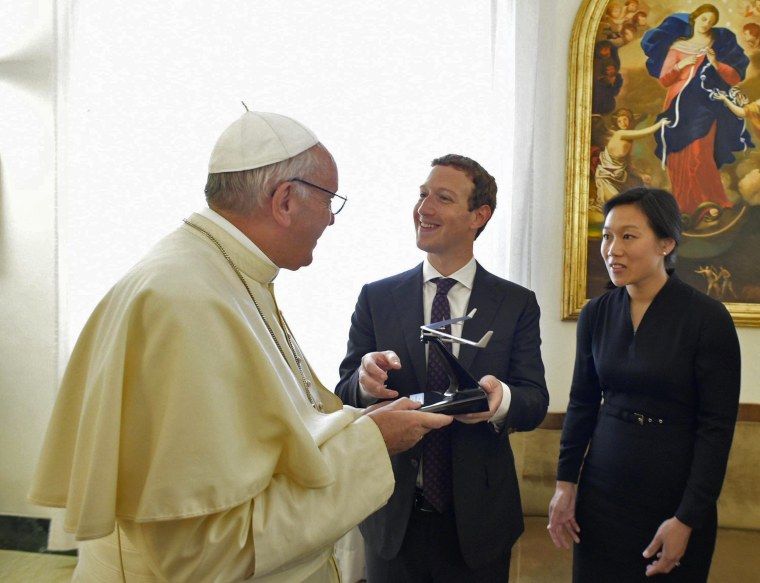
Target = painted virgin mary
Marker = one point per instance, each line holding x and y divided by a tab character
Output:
696	61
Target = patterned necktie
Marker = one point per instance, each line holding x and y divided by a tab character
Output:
436	446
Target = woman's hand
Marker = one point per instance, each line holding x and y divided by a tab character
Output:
668	546
712	58
562	515
687	62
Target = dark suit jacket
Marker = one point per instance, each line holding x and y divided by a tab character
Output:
487	507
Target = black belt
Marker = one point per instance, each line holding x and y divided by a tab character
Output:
420	503
643	418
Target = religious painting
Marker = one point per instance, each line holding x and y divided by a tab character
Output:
667	95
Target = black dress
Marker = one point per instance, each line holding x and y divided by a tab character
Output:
658	445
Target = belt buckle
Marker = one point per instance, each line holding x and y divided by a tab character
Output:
639	418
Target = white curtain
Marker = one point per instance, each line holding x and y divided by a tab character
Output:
525	75
146	87
387	86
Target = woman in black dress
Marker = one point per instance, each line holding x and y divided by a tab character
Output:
652	409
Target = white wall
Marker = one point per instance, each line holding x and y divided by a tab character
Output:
28	237
556	20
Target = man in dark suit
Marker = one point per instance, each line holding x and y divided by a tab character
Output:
468	538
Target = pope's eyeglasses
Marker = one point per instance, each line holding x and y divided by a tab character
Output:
332	194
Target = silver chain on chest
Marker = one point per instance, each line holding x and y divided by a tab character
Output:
306	382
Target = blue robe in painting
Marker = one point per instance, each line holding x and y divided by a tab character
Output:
697	111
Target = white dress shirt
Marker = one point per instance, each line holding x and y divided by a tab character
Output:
459	298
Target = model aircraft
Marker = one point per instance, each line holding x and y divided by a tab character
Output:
432	331
464	394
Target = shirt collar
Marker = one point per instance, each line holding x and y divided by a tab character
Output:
233	231
464	275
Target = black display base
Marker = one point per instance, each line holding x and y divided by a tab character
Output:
463	401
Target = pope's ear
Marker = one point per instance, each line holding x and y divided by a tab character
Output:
282	203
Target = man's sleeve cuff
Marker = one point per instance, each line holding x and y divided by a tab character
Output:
500	416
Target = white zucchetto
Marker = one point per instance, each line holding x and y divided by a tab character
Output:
258	139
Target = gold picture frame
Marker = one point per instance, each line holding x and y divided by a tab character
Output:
583	266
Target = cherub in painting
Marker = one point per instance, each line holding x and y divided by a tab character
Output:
612	173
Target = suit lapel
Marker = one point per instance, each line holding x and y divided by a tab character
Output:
407	299
486	299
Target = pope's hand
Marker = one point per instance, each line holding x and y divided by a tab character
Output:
402	426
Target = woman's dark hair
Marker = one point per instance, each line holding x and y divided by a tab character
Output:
661	211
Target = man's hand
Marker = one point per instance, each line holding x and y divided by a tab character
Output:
493	388
373	373
402	427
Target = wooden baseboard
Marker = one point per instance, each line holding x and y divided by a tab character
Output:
749	412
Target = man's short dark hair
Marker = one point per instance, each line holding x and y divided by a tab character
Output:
484	185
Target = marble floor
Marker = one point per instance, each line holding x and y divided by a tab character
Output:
737	562
25	567
24	556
